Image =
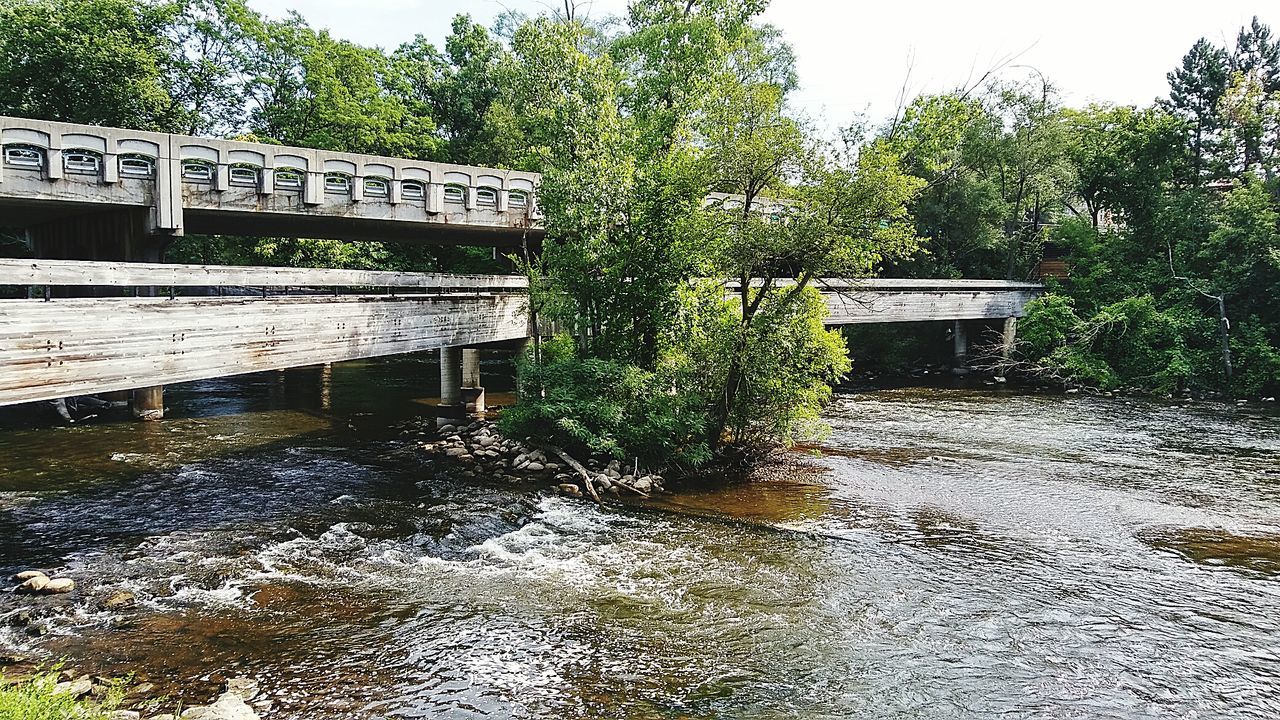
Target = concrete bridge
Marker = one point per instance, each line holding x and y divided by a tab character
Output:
92	192
100	204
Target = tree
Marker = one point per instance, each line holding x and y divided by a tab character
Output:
100	62
1194	91
996	175
312	90
209	50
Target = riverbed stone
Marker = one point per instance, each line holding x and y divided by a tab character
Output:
569	489
535	467
644	485
124	715
60	585
245	687
119	600
77	688
36	584
26	575
228	706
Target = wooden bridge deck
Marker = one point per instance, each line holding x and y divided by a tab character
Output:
76	346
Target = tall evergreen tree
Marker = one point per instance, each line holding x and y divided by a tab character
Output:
1257	51
1194	91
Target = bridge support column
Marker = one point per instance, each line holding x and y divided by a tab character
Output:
1009	337
472	390
960	338
451	409
148	403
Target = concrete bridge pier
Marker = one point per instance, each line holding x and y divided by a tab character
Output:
451	409
1009	337
960	340
472	389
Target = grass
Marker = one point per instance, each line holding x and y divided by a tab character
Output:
35	699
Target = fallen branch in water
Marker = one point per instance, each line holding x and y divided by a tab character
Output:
586	475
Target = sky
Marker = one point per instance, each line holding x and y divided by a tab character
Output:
855	57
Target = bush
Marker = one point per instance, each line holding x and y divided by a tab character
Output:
1127	342
788	362
605	406
36	699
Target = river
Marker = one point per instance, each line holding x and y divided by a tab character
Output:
951	553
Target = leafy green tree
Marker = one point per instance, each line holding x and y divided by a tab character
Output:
101	62
310	89
209	50
996	176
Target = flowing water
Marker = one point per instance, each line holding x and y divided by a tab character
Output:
951	554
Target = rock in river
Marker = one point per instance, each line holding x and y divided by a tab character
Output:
60	585
228	706
36	584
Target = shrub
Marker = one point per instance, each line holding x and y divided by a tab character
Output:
605	406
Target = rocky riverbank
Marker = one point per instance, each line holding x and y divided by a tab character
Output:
479	449
126	698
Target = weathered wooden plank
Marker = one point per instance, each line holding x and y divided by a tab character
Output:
129	274
867	306
79	346
878	284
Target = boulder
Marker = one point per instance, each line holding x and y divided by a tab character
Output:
228	706
60	585
122	599
77	688
455	452
124	715
644	485
569	489
246	688
26	575
535	467
35	584
448	429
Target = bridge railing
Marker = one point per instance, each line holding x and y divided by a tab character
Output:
59	273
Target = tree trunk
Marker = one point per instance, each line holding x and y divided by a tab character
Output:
1224	330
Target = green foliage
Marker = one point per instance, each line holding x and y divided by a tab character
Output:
1128	342
605	406
996	169
90	61
36	699
310	89
783	364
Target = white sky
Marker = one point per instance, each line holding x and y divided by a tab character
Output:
853	56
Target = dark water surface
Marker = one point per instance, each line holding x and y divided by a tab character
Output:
963	555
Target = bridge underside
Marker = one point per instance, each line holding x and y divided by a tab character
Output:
43	217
